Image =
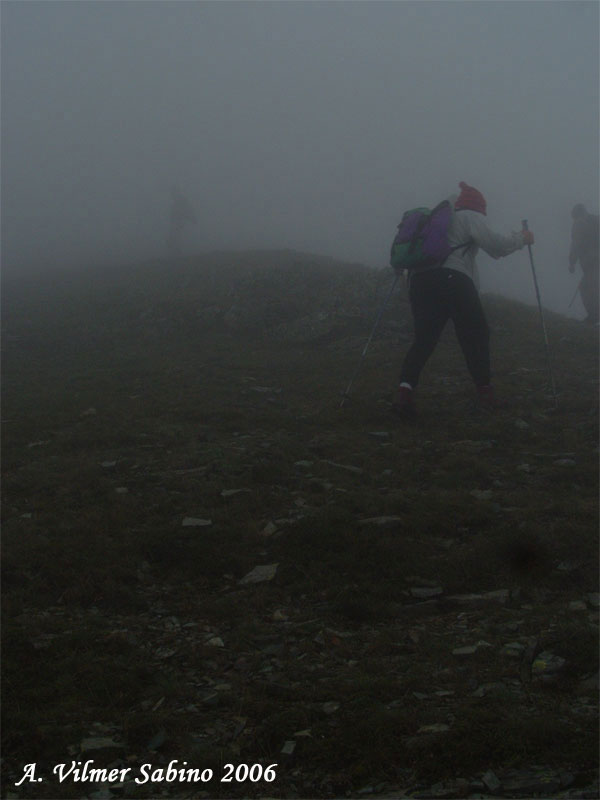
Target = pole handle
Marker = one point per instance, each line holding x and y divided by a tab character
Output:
524	224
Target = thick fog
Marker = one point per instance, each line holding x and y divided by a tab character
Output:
304	125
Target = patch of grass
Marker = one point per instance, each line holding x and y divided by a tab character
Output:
491	737
364	744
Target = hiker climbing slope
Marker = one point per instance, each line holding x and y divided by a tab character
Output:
181	213
585	249
449	290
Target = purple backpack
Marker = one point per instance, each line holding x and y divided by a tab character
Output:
422	238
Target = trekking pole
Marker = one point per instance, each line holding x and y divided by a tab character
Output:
537	292
346	394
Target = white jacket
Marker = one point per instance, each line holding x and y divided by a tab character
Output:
470	226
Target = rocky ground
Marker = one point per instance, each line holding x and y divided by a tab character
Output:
208	561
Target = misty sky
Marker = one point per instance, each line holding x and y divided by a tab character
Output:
308	125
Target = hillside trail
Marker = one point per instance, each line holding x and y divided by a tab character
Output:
380	608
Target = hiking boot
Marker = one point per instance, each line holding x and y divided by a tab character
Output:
488	400
404	404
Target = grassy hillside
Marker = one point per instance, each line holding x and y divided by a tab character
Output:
427	625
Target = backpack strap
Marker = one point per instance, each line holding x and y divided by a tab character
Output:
466	245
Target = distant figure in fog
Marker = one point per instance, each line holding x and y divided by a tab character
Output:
585	249
181	214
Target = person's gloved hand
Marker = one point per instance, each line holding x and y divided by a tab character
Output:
527	237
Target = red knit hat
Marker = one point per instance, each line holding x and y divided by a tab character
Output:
470	199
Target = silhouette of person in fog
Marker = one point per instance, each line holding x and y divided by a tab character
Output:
585	249
181	214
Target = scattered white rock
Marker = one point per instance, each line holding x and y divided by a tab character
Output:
37	444
436	727
547	663
232	492
102	794
482	494
122	490
564	462
347	467
382	522
288	748
108	464
590	684
513	649
491	781
488	688
215	641
269	529
89	412
473	445
424	592
521	424
95	743
195	522
468	650
264	572
593	599
569	566
501	596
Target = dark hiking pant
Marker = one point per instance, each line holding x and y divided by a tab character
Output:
435	297
588	289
